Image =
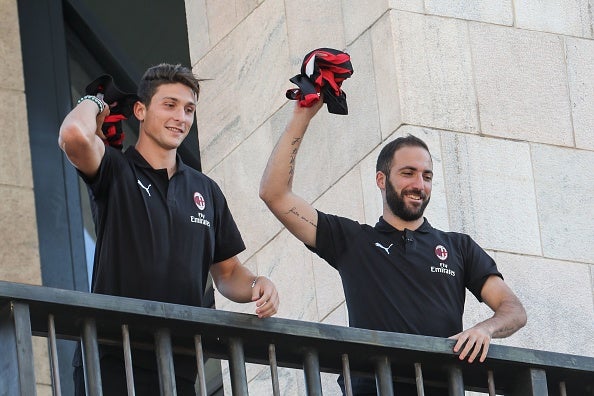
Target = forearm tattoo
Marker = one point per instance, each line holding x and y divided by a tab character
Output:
292	159
294	211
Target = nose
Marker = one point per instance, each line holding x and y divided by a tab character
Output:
419	181
179	114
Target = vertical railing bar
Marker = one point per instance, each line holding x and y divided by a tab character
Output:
383	376
491	382
128	360
311	370
24	344
53	355
273	370
419	379
165	362
90	352
346	375
239	386
200	365
562	389
456	381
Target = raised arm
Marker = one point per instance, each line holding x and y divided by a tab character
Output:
509	316
80	135
276	186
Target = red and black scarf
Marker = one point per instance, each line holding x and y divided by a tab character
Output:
323	70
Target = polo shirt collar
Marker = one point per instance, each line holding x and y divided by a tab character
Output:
383	226
139	160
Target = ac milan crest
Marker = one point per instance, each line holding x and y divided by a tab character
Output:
199	201
441	252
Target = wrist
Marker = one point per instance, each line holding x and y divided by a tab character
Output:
254	281
100	104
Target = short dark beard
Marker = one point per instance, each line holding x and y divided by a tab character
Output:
398	207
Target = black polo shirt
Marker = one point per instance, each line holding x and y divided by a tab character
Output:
403	281
157	237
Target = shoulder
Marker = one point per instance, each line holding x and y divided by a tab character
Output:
343	223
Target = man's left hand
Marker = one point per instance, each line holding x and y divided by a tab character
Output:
471	342
265	295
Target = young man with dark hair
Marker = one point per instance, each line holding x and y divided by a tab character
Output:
161	225
402	275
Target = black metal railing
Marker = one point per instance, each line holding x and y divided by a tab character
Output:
169	329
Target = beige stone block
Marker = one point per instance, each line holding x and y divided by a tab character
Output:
435	72
250	70
288	263
564	190
497	12
521	84
19	256
358	18
344	198
225	15
239	177
41	361
313	24
580	72
338	317
372	197
198	35
408	5
287	378
15	156
569	17
44	390
490	191
11	61
557	296
386	74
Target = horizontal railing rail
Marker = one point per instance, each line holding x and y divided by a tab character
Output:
168	329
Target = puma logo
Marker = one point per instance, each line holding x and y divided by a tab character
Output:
387	249
145	188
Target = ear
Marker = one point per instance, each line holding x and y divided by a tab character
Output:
139	111
380	180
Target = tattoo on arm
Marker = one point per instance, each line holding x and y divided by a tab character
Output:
294	211
296	142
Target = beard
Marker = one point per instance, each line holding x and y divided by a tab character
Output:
398	206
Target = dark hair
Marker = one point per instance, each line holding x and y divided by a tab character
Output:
165	73
384	159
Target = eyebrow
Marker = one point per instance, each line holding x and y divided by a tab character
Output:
177	100
408	167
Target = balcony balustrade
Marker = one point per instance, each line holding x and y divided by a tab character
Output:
314	348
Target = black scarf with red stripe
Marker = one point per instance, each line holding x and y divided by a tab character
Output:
120	106
323	70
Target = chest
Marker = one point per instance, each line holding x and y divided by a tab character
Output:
153	201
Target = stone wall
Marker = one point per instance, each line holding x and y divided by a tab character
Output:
502	92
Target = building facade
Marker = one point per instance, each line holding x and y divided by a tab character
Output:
503	93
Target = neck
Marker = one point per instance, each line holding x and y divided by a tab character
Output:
158	157
400	224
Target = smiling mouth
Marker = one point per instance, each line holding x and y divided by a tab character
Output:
414	197
174	129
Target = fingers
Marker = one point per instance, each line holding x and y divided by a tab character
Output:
266	297
471	344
